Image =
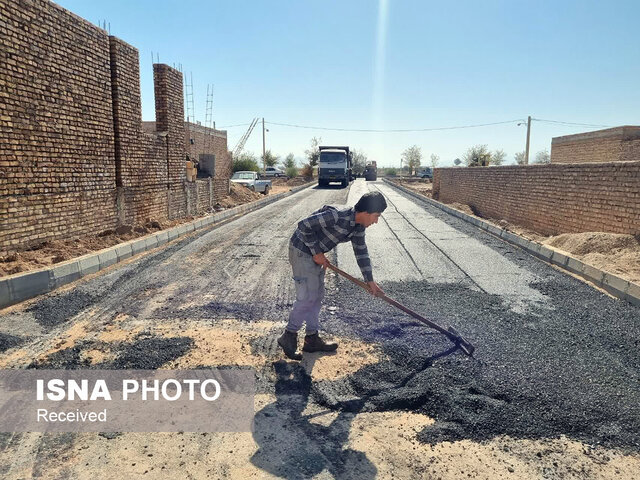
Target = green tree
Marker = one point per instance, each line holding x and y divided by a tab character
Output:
359	162
313	154
411	158
542	157
497	157
478	155
519	157
270	160
289	161
245	161
434	160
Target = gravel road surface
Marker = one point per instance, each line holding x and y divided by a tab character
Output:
553	390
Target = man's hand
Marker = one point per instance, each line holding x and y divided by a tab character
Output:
374	289
320	259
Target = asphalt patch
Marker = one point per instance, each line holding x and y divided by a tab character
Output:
58	308
570	370
150	352
145	352
9	341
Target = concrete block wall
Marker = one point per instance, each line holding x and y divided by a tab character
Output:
57	165
550	199
620	144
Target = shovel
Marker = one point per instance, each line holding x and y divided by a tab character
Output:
451	332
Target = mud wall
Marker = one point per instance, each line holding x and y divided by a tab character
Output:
550	199
620	144
74	157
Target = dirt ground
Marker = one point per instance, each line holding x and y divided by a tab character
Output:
370	445
56	251
615	253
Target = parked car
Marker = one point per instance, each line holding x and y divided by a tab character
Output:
426	173
250	180
273	172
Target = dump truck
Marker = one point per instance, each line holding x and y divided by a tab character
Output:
371	171
335	165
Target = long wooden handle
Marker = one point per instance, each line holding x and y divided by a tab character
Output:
396	304
451	333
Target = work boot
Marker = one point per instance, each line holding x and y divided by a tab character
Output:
289	343
313	343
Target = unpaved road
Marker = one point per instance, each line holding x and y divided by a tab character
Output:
553	392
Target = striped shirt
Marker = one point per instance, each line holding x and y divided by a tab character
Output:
327	227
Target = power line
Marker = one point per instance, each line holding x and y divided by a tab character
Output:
392	130
432	129
237	125
571	123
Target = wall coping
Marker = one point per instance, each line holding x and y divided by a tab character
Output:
616	164
19	287
623	133
616	286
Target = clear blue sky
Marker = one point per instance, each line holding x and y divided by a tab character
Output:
401	64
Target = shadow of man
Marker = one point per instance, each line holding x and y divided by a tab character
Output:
292	447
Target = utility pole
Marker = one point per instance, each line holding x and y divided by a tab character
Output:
526	153
264	153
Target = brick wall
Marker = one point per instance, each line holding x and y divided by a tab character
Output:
141	162
550	199
57	165
74	157
610	145
207	141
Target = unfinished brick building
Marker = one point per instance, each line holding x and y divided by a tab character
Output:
74	157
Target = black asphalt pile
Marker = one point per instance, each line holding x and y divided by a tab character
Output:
573	369
58	308
9	341
146	352
151	352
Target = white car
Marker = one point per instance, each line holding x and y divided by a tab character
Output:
250	180
273	172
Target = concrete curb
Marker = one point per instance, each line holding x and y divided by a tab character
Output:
23	286
613	284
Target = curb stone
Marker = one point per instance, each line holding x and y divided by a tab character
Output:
616	286
23	286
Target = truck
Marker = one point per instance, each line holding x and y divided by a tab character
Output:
335	165
427	172
250	180
371	171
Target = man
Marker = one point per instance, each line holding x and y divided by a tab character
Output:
315	236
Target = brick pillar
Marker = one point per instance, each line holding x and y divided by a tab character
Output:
170	119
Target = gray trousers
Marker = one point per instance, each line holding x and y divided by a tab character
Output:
309	278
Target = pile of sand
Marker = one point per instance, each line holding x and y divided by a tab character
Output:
612	252
290	182
239	195
462	207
